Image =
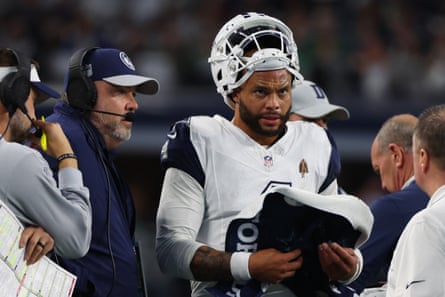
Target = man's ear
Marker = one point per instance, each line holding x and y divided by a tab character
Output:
397	154
424	160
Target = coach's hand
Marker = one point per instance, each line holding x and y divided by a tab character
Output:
37	243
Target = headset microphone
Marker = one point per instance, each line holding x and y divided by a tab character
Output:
129	116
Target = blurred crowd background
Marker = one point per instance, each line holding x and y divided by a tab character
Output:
374	50
375	57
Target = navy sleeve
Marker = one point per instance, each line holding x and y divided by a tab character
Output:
178	152
334	164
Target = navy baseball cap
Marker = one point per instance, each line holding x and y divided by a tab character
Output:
114	66
43	91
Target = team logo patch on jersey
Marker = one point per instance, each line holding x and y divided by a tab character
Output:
302	168
268	161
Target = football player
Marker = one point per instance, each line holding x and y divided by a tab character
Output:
215	167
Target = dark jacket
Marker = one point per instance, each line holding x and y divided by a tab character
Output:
110	266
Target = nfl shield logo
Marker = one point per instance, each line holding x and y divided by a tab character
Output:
268	161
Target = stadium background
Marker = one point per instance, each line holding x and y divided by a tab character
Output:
377	58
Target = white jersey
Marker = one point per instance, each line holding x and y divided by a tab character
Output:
214	170
418	264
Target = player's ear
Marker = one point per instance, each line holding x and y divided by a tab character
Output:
235	96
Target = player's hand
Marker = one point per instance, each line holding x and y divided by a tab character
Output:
273	266
37	243
337	262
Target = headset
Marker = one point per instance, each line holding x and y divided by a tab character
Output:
15	86
80	89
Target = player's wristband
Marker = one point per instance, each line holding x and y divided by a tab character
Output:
239	266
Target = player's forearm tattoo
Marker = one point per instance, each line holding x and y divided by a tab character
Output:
210	265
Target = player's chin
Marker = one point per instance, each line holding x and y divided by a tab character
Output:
272	126
271	131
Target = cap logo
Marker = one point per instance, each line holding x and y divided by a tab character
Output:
319	93
126	60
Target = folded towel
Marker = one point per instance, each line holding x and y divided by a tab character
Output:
287	218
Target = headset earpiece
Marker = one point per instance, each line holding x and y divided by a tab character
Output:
80	89
15	86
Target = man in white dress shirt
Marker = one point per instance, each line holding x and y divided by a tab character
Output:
418	265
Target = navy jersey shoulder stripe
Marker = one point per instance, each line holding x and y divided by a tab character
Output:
178	152
334	164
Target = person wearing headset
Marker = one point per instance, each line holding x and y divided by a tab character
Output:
96	114
47	209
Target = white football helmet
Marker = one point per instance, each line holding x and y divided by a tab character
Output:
270	39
